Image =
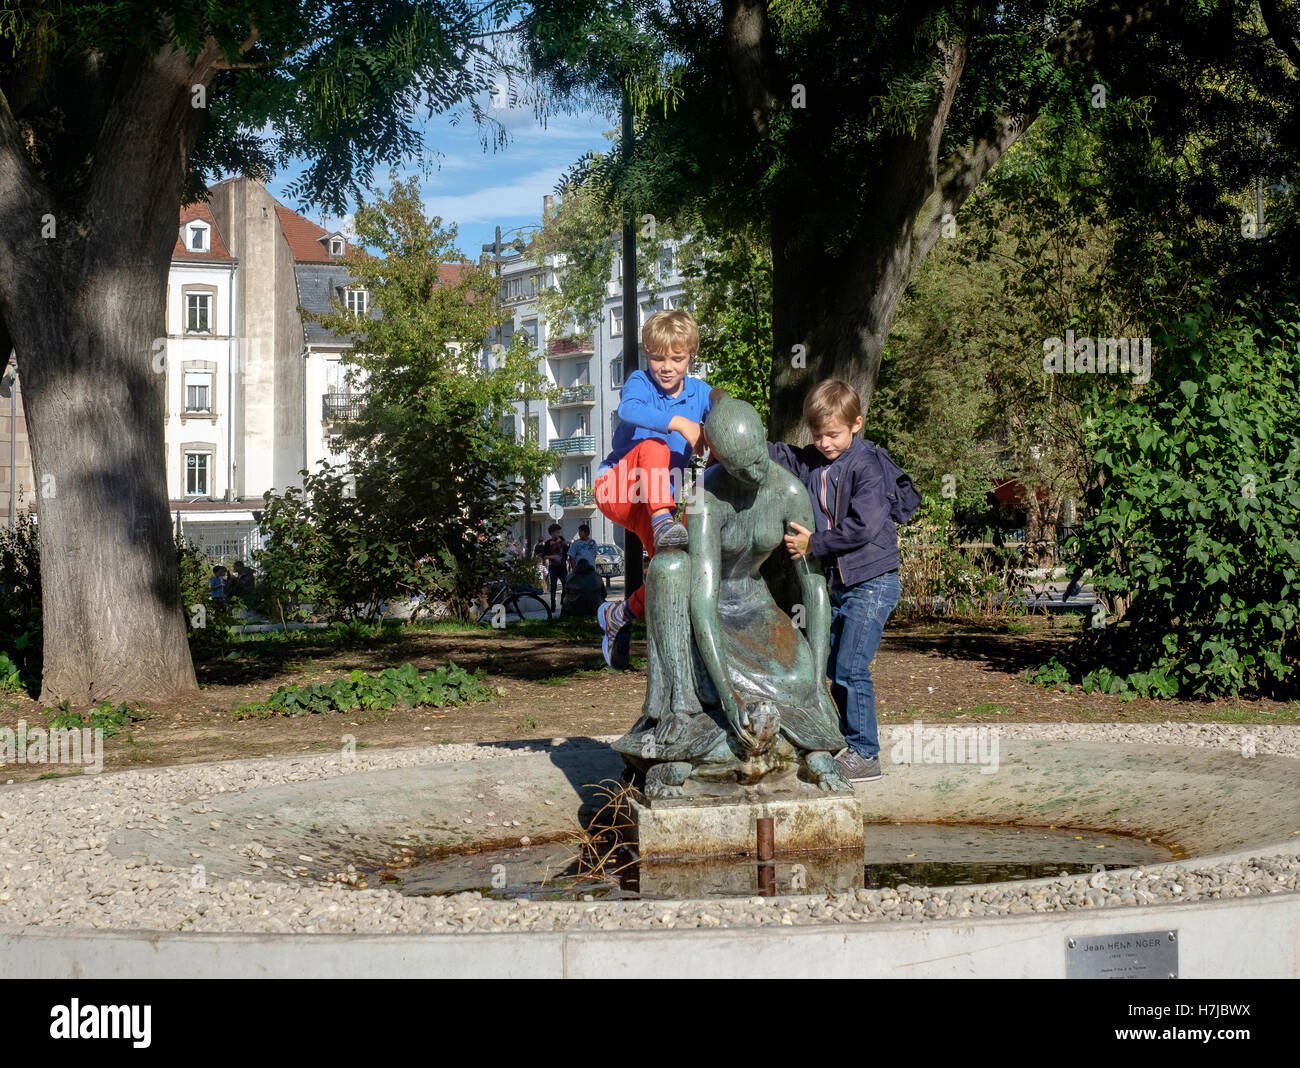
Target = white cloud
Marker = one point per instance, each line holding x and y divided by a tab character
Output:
519	197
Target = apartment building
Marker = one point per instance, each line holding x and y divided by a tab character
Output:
254	392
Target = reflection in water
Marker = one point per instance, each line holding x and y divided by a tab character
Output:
896	855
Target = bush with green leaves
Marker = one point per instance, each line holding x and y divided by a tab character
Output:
207	621
435	460
938	574
1196	524
105	716
332	550
400	687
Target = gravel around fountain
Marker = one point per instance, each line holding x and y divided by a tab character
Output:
56	868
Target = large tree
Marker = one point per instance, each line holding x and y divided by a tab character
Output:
853	133
112	114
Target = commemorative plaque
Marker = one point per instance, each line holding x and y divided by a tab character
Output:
1144	955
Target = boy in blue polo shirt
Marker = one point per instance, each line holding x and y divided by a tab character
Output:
658	433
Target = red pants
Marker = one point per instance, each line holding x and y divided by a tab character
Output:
631	492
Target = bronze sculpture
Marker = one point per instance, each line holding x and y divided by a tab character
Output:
736	700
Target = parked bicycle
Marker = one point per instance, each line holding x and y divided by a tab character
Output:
516	600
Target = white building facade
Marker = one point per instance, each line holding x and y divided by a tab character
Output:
253	391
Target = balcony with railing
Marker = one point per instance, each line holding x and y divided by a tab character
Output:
575	396
583	445
573	498
337	407
563	347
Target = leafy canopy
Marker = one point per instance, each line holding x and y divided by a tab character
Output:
435	469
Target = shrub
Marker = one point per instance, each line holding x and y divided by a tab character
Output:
391	688
105	716
938	575
1196	524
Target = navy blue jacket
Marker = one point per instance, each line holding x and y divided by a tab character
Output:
863	543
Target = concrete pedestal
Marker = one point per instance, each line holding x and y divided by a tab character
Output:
684	827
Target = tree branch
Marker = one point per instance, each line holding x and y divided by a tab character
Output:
1082	41
1283	29
23	200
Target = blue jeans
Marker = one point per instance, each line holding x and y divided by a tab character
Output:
858	615
557	575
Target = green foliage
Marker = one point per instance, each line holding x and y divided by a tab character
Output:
11	680
209	629
20	567
1197	521
728	282
1051	675
345	85
401	687
331	550
433	473
938	574
20	605
105	716
585	236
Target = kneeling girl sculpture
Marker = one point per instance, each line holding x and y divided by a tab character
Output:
736	699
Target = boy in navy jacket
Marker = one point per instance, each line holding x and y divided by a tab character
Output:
858	545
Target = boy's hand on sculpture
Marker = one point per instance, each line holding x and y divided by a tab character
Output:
797	543
692	431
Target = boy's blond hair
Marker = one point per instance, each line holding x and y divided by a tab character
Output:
831	400
666	330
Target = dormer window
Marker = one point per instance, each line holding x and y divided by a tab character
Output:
197	237
336	246
358	300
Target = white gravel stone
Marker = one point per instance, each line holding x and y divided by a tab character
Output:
55	874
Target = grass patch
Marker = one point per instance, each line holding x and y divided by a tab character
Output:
1236	714
989	708
402	687
528	722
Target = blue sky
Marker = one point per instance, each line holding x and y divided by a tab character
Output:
478	189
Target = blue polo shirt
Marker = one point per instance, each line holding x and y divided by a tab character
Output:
645	412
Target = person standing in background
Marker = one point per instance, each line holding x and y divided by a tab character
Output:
555	552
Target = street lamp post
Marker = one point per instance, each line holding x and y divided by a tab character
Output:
9	388
631	338
496	248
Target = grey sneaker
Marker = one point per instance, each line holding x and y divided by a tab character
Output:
857	768
672	536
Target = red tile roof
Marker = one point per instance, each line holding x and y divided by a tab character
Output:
217	253
304	237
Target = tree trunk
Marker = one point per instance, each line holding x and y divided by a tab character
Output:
110	601
831	315
830	319
84	307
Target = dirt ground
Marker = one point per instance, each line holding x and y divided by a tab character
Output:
553	682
